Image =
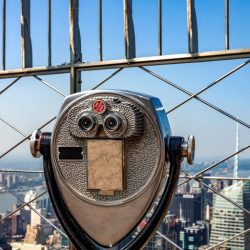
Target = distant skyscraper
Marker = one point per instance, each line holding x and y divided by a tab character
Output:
188	206
4	245
1	177
195	236
219	185
236	157
14	178
167	228
228	220
30	195
9	180
35	219
186	187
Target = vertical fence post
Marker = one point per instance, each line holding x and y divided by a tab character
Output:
75	46
3	33
100	29
129	32
159	27
227	24
192	27
26	46
49	33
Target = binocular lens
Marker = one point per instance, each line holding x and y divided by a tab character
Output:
86	122
112	123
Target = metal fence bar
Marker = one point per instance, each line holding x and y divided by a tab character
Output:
159	27
75	46
16	145
49	33
3	34
33	209
129	33
13	127
196	97
11	84
166	59
126	63
75	37
59	69
22	171
25	139
210	85
108	78
227	24
192	27
212	178
26	46
100	29
231	238
48	85
168	240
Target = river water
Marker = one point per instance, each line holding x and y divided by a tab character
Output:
6	202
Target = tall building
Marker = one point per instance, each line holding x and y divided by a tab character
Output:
218	185
4	245
168	229
192	207
1	177
236	157
194	236
228	220
30	195
9	180
186	188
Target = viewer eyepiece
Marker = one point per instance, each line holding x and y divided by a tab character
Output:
112	122
86	122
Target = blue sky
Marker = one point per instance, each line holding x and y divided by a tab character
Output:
29	103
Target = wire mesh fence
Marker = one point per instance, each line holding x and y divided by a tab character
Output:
30	97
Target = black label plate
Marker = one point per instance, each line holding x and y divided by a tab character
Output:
70	153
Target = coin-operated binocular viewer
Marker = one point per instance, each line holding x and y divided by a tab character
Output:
110	160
